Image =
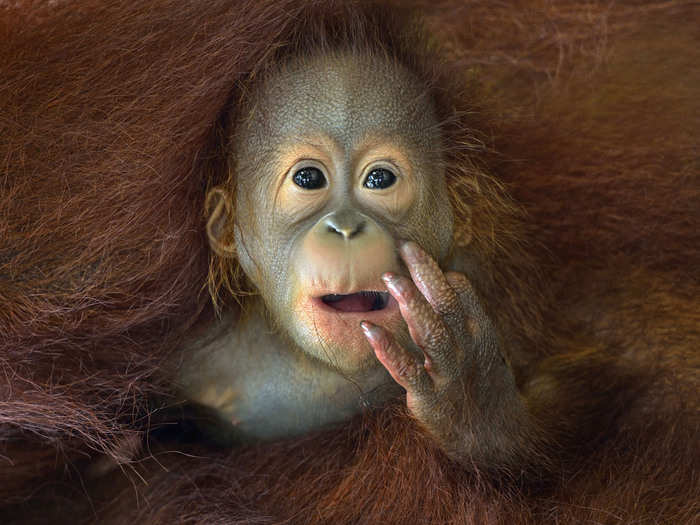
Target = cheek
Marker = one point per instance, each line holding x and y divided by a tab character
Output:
267	261
444	228
431	225
260	258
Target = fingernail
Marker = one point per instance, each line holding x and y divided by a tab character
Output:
394	285
410	249
371	331
367	328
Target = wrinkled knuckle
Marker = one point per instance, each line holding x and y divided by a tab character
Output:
406	369
424	316
385	343
447	302
436	333
460	283
410	295
429	267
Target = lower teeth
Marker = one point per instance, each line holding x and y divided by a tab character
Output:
379	299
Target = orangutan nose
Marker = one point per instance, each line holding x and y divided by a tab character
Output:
347	224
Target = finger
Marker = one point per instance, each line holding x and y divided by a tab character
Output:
477	326
406	370
472	314
467	296
426	327
430	280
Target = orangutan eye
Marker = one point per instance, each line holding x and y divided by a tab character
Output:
379	178
309	178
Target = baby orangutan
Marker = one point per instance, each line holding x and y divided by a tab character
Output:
352	262
343	224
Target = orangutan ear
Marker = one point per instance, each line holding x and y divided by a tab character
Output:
219	209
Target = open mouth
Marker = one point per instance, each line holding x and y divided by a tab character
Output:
365	301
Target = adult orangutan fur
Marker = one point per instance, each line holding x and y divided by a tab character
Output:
573	139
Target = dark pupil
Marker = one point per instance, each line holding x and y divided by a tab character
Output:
379	178
309	178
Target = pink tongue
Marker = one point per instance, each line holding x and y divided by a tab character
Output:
353	303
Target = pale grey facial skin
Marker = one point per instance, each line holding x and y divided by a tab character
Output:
341	114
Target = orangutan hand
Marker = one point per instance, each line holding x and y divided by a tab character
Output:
463	374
